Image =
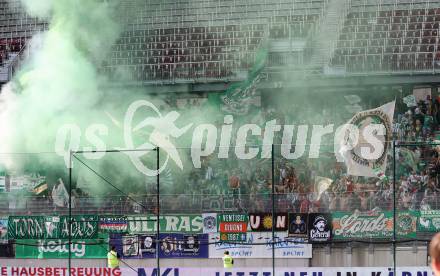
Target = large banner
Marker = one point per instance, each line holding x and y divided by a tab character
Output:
83	227
59	249
204	271
357	225
27	227
52	227
167	224
259	245
429	221
262	222
171	245
233	227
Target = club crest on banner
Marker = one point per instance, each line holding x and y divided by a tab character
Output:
366	141
209	223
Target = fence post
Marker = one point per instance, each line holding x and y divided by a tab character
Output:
394	206
273	210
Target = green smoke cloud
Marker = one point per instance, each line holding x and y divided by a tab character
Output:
59	83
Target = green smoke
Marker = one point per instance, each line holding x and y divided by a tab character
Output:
59	83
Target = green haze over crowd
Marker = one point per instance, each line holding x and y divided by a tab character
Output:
59	83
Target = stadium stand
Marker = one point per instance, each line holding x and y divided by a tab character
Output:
188	40
208	188
16	27
193	41
390	37
197	41
212	40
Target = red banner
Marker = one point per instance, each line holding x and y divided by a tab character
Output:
58	271
233	227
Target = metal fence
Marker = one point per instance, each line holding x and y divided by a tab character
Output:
396	210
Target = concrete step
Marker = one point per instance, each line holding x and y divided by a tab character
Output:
327	34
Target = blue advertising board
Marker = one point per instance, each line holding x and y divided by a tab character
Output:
171	245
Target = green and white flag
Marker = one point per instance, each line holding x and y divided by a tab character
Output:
359	143
60	196
40	188
239	97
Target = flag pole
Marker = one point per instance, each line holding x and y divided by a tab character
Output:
157	212
273	209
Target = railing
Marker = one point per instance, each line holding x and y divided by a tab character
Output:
358	64
15	63
330	202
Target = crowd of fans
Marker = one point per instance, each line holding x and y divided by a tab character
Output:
417	168
418	163
300	185
296	181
